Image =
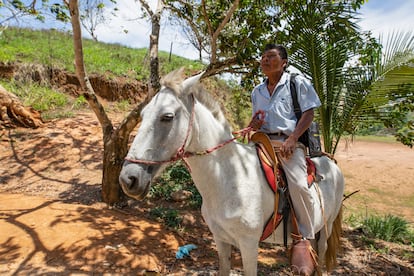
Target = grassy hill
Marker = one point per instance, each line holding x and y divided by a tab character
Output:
55	49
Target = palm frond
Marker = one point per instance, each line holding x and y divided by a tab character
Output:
398	50
395	69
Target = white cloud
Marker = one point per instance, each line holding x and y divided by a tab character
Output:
125	28
130	29
384	17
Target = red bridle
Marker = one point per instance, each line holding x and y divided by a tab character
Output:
182	154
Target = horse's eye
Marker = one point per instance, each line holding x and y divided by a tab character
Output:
167	117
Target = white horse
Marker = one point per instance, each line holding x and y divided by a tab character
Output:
183	122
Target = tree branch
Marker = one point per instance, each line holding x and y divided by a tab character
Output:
146	7
225	20
215	33
229	65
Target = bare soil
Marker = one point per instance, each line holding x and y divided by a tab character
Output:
52	220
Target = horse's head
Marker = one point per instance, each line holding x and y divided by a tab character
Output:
163	131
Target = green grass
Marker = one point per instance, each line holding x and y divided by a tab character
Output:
55	49
374	138
52	103
385	227
388	228
39	97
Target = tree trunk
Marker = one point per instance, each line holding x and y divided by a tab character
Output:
113	151
153	47
115	140
154	64
13	113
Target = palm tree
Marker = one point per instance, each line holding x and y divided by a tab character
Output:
321	36
346	66
391	95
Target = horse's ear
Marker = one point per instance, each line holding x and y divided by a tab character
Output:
191	81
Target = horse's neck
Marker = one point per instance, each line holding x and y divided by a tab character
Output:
206	131
221	166
212	171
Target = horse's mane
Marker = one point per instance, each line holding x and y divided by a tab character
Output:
174	80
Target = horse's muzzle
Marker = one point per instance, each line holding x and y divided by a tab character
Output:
135	180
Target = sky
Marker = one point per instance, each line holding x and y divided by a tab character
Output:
384	16
381	17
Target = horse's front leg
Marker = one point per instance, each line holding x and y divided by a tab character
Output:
224	254
249	249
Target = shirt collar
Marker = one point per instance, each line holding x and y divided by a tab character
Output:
283	79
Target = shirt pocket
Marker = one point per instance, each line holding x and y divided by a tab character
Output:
284	106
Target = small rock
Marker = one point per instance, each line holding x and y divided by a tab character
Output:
188	219
181	195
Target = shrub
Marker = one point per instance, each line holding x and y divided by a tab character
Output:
388	228
176	177
169	216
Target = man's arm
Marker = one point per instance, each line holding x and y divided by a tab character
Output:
290	143
303	124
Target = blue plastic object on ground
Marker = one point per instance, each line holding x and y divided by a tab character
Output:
184	251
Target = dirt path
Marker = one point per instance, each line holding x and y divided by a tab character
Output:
383	173
52	221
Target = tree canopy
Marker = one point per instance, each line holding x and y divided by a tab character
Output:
230	33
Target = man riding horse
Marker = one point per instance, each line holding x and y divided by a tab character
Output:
183	122
273	99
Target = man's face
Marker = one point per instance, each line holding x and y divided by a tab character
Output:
271	62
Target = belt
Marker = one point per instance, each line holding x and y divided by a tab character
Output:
276	135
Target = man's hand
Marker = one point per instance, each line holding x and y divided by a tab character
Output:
288	146
256	123
290	143
258	120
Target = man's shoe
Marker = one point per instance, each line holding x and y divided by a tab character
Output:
303	258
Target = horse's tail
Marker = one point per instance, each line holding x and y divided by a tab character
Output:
334	242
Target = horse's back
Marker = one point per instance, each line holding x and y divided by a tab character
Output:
329	170
331	183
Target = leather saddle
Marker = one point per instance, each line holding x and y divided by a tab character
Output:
267	151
